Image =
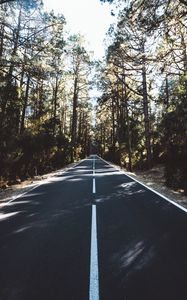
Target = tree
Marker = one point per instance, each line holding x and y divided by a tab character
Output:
36	99
79	73
129	60
150	38
29	3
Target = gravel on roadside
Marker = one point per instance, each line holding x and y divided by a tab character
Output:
154	179
16	190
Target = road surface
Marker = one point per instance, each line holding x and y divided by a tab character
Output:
92	233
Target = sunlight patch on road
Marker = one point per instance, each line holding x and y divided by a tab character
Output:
8	215
102	173
128	184
22	229
131	255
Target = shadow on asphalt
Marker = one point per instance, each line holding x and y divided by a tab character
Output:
141	241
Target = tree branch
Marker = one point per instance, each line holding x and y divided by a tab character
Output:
5	1
183	2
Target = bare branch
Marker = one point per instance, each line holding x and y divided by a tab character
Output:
183	2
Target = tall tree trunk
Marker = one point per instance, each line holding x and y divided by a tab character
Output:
146	111
62	121
113	126
65	131
55	103
127	123
118	119
2	31
74	119
167	93
22	127
15	48
86	143
81	120
11	68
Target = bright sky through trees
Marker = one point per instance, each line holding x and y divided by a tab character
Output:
91	18
88	17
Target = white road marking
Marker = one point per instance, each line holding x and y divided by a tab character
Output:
94	272
167	199
94	186
94	163
147	187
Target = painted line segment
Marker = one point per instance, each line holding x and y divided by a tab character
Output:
94	163
147	187
94	272
94	186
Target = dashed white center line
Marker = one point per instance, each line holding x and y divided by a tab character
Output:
94	186
94	272
94	163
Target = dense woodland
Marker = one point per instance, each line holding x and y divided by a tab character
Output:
45	110
142	113
45	76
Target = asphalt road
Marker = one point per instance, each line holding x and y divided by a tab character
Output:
92	233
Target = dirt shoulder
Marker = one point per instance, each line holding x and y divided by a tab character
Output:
154	179
14	191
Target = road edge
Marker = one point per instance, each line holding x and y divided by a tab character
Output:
146	186
36	185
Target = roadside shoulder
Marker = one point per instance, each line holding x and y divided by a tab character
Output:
153	179
16	191
160	188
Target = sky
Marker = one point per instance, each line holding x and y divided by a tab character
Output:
91	18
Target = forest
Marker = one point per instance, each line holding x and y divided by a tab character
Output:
45	110
47	114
